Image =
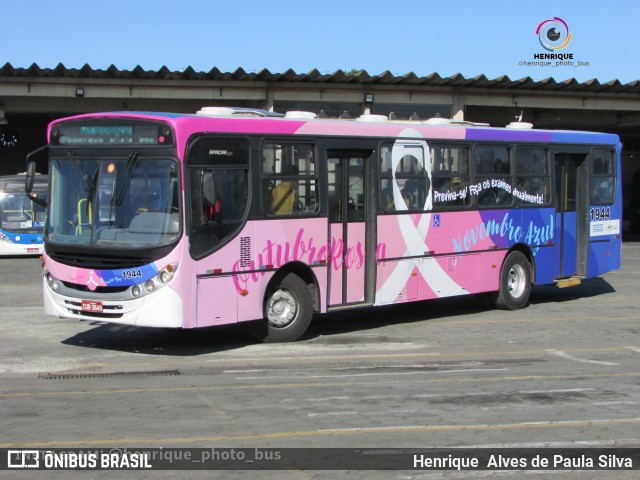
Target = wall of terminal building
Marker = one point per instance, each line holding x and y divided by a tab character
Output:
29	130
29	125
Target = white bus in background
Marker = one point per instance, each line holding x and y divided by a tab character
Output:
21	218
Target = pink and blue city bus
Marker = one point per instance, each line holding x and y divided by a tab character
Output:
22	217
237	215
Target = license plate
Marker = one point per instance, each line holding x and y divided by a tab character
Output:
33	250
91	306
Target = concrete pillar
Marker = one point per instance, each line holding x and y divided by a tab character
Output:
457	109
269	101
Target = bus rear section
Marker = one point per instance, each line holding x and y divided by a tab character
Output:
588	202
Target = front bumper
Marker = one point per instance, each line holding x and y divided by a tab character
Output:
21	249
161	309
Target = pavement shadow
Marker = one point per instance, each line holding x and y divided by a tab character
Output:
161	341
337	324
350	321
592	287
330	327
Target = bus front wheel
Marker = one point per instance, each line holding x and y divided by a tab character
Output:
515	282
288	310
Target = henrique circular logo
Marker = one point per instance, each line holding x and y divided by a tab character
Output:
553	34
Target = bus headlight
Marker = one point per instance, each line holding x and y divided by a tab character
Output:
53	282
163	277
4	238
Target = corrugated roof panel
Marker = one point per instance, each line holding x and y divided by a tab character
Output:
113	71
385	78
314	76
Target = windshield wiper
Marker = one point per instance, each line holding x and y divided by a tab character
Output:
81	171
111	203
91	191
128	173
90	197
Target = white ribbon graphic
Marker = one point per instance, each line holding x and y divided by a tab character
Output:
415	237
91	283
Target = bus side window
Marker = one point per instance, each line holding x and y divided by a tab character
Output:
532	176
410	178
218	202
603	177
451	177
289	179
493	170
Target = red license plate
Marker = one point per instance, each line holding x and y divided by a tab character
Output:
91	306
33	250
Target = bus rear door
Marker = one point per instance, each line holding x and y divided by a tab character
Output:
572	222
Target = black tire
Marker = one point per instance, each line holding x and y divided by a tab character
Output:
288	310
515	282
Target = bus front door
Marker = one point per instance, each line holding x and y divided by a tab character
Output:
348	210
571	189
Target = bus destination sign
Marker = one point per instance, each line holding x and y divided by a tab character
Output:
111	134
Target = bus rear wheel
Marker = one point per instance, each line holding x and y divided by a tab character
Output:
515	282
288	310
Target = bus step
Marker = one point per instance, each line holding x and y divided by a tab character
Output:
348	306
568	282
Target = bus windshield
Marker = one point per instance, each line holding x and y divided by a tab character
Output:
113	202
17	212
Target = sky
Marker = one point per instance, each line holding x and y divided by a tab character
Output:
481	37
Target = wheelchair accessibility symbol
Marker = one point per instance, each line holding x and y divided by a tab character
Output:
436	220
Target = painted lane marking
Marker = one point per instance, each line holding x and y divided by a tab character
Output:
347	375
318	399
331	414
567	356
485	426
305	385
330	432
120	391
415	366
616	402
264	370
621	442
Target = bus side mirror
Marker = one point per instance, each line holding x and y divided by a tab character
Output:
30	176
29	180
